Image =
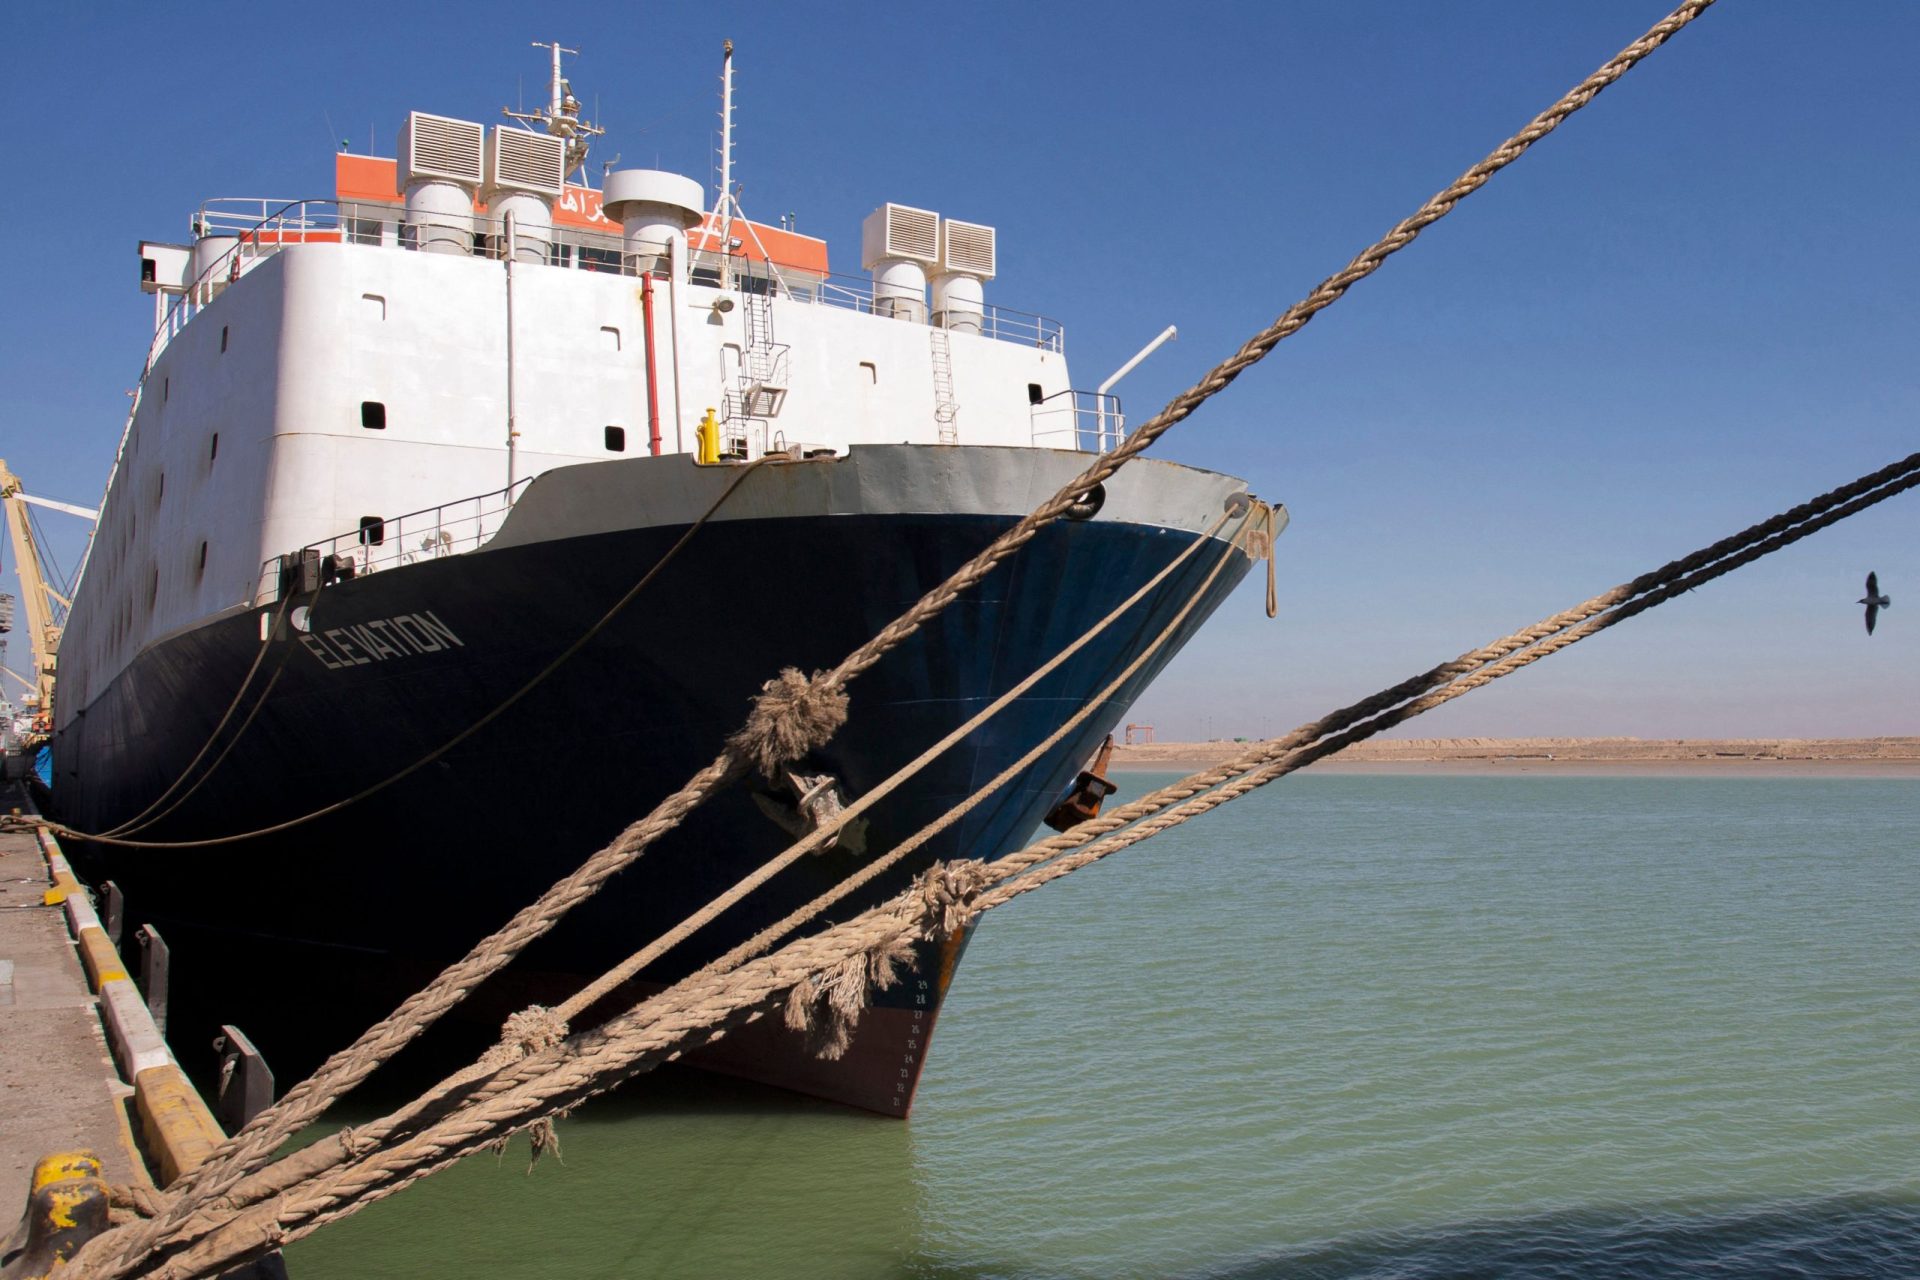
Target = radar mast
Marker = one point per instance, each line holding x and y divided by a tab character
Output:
561	116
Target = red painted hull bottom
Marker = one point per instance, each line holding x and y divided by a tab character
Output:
880	1070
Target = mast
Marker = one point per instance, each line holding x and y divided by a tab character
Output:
723	202
726	204
561	116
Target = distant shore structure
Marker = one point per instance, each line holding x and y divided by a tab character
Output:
1894	751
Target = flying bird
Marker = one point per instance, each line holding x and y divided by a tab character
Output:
1874	601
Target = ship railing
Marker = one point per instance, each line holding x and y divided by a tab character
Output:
856	293
257	227
1083	420
392	542
260	227
550	246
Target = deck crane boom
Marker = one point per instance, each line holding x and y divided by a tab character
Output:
38	597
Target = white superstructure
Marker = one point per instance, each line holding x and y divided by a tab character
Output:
452	324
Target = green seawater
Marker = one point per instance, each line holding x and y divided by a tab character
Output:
1392	1026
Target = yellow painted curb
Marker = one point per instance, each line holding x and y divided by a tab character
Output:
98	958
179	1129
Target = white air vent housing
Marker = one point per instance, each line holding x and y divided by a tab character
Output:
897	244
440	168
966	263
900	232
518	160
966	247
438	149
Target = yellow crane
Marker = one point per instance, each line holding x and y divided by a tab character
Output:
37	596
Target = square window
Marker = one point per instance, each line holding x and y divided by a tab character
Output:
373	415
373	531
616	439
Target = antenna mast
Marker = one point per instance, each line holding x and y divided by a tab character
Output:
726	203
723	203
561	116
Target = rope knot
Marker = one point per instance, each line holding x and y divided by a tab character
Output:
826	1006
793	714
524	1034
946	891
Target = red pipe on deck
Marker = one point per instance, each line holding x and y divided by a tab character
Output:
653	383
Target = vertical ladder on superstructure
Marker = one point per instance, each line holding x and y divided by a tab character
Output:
945	410
762	385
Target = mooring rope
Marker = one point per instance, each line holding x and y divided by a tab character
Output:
702	1006
553	1024
244	1152
498	710
874	868
141	820
587	996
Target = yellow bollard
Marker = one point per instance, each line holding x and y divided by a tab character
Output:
707	440
66	1207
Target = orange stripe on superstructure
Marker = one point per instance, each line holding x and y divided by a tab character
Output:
368	179
373	180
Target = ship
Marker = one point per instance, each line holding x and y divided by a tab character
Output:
398	452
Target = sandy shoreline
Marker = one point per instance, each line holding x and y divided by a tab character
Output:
1627	757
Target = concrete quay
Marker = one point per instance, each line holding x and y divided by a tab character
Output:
59	1087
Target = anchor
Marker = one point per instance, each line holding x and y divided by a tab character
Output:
1089	789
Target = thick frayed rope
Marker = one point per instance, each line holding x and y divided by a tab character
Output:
524	1034
793	715
145	1202
826	1006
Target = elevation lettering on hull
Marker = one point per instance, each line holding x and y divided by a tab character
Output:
360	643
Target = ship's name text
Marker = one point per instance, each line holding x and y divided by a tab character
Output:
360	643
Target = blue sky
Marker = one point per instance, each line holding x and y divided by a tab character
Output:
1690	308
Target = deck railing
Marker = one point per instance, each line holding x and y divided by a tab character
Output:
392	541
259	228
1084	420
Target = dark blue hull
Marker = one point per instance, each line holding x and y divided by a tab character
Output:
305	936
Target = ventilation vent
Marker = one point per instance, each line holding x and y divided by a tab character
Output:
966	247
897	231
521	161
436	147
